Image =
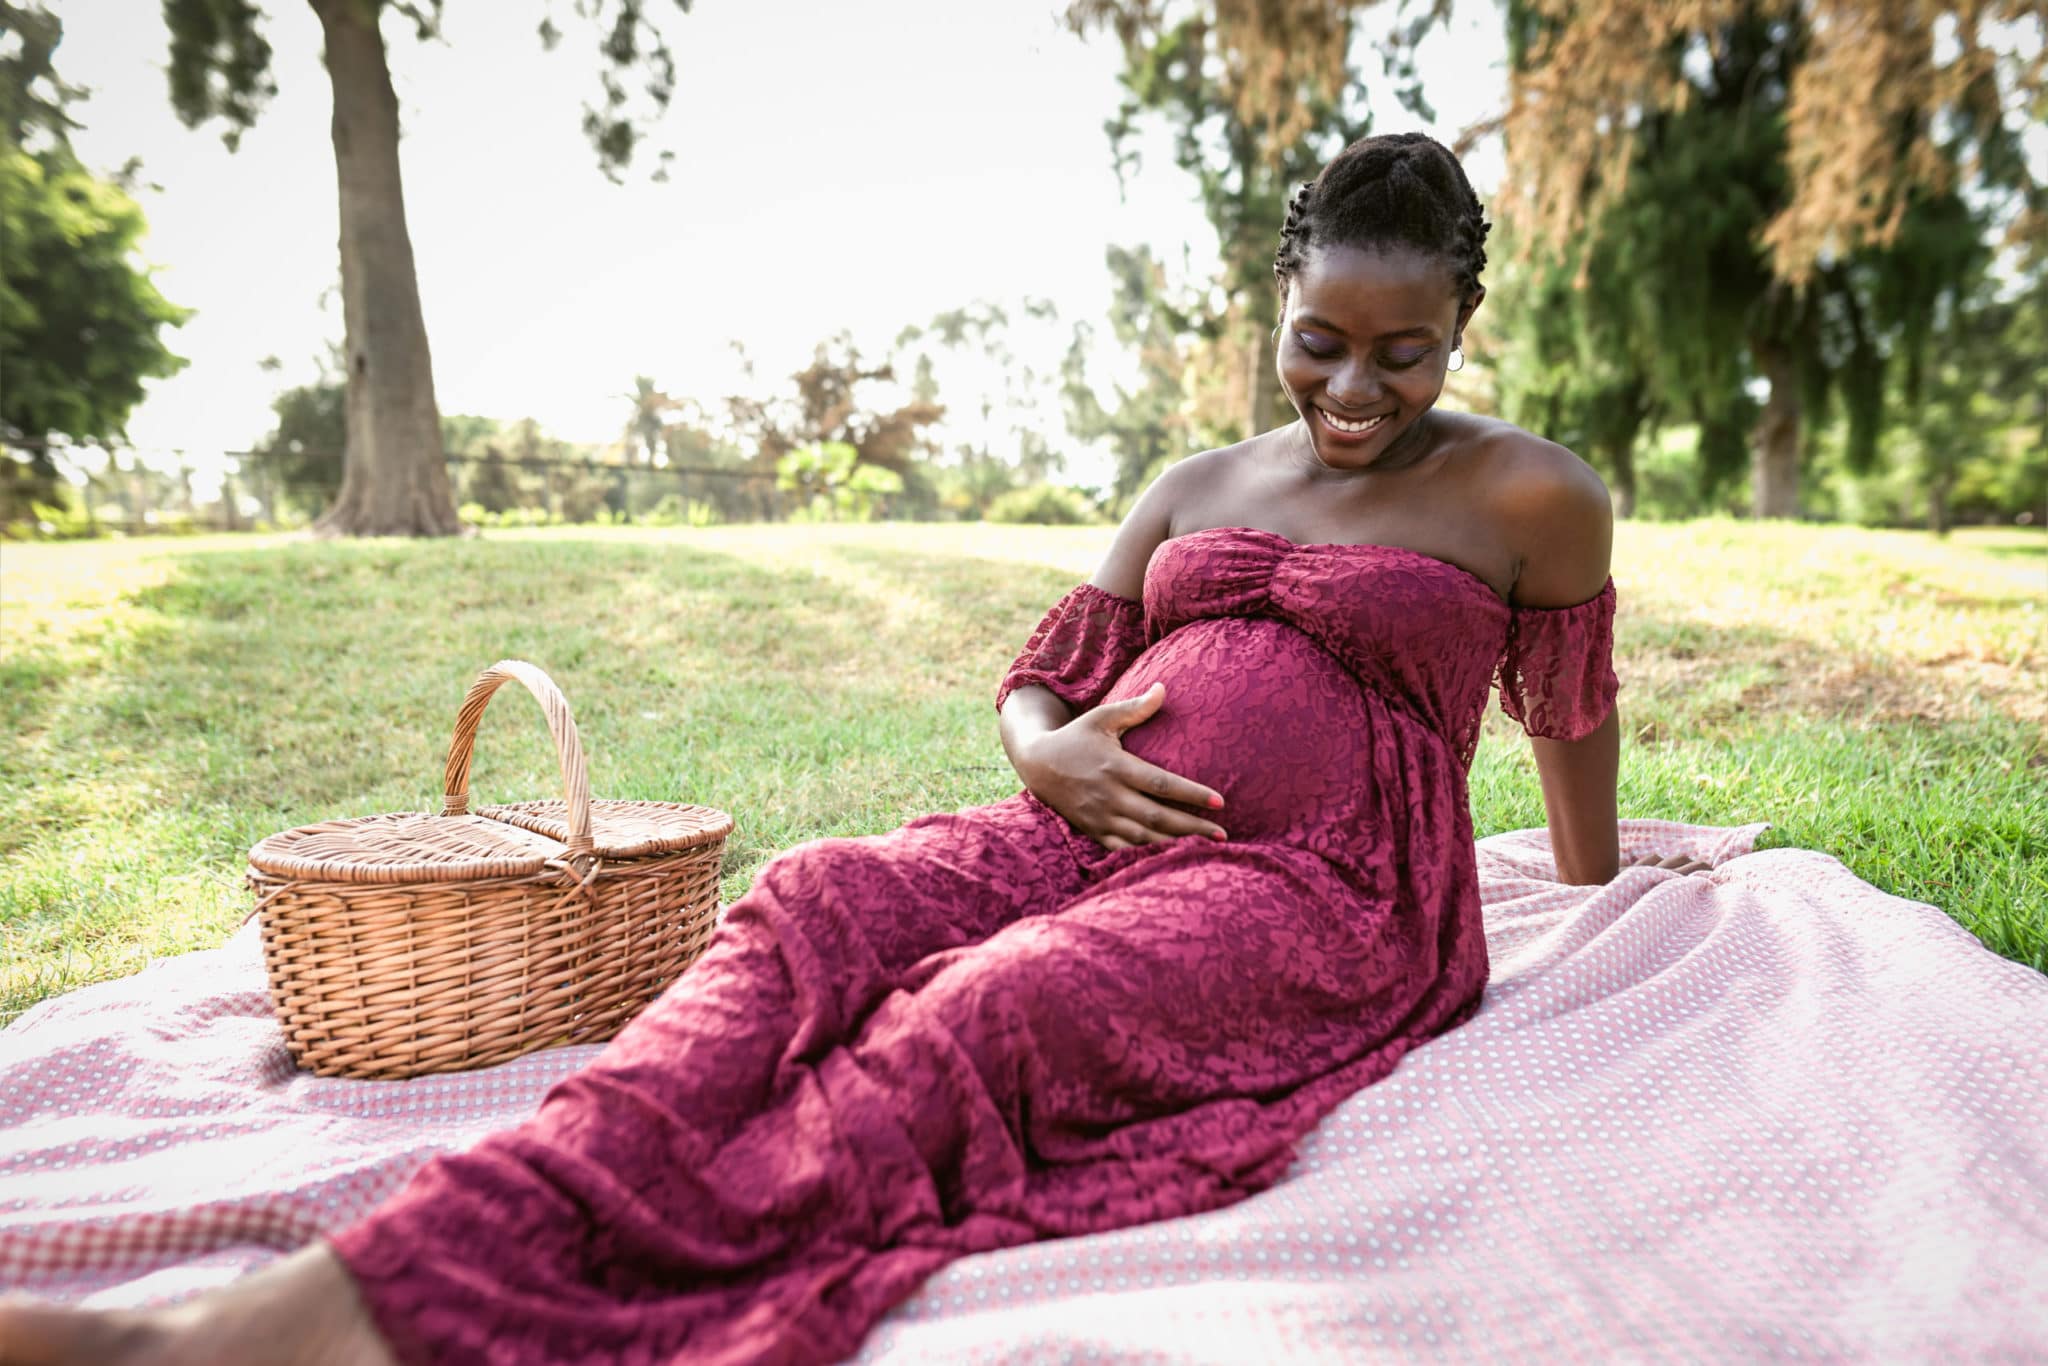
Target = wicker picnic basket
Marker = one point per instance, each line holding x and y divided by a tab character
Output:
404	944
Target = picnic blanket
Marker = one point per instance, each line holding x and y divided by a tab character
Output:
1765	1111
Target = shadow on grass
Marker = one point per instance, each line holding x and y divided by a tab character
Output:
2036	554
255	690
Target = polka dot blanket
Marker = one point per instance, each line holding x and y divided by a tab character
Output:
1763	1112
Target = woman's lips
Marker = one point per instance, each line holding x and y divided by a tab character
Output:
1349	429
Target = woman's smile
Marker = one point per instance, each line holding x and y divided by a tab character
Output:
1349	429
1362	351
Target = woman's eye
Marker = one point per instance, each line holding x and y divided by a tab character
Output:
1317	345
1406	360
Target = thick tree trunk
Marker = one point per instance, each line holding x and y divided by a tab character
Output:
1774	486
395	481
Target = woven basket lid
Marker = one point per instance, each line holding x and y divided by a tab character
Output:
621	830
407	847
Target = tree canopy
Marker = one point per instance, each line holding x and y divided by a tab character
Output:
81	323
1671	150
1257	96
394	479
1879	103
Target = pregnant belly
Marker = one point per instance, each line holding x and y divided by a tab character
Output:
1261	713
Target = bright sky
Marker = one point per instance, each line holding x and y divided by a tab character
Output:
838	166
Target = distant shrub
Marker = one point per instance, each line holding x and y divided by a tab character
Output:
475	514
676	510
1042	505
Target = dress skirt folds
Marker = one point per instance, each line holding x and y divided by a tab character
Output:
984	1029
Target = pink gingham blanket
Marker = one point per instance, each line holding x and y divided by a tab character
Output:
1762	1112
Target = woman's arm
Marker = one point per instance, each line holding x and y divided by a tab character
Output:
1565	528
1077	765
1578	799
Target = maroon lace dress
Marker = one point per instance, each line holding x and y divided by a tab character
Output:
983	1028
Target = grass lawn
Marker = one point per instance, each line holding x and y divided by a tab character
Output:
1878	695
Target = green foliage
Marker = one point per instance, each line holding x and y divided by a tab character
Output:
1000	441
1148	427
1570	368
1247	140
1043	505
80	323
967	488
834	485
220	65
1668	307
32	96
300	462
676	510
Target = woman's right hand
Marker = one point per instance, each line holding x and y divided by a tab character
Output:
1082	771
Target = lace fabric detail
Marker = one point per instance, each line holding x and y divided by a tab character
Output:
1557	673
983	1028
1080	649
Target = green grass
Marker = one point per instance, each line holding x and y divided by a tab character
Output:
165	704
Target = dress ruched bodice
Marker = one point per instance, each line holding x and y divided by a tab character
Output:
1424	635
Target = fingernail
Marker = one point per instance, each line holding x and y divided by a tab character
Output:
1219	835
1215	802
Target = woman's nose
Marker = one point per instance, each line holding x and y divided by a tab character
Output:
1355	384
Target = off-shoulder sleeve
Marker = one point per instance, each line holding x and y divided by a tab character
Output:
1557	673
1081	648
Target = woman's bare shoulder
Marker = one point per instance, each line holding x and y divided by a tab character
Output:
1163	511
1551	507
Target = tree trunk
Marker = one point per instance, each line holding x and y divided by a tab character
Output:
1774	468
1621	458
395	479
1258	382
1937	505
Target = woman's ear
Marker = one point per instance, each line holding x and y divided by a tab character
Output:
1465	313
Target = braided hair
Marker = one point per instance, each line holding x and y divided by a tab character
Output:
1396	189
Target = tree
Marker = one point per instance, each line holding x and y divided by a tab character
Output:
81	324
1787	177
1572	368
1011	406
1259	94
1148	427
303	455
1975	439
651	408
828	408
833	483
395	481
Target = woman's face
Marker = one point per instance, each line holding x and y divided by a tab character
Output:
1364	346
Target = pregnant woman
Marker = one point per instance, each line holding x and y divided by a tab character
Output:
1239	886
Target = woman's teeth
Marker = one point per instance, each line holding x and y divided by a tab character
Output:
1353	428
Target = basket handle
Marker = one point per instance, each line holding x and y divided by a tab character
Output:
568	745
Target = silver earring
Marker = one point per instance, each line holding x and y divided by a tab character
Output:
1457	361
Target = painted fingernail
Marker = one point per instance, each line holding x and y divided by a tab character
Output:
1215	802
1219	835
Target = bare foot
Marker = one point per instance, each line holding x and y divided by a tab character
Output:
300	1311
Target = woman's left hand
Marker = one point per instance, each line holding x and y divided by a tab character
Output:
1677	863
